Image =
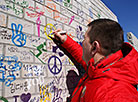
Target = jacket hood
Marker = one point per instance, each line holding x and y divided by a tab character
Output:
121	66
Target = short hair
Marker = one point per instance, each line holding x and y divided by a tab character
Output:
108	33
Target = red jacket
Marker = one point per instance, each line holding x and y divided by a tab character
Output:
112	80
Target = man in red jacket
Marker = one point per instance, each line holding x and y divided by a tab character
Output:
111	66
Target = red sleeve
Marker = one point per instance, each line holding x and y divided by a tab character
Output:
75	50
122	99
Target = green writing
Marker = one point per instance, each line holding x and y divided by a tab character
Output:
3	99
17	10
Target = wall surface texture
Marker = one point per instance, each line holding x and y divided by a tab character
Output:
32	67
132	39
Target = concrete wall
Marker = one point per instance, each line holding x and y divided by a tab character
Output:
132	39
32	68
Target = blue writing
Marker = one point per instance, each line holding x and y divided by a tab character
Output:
11	68
18	38
4	7
90	13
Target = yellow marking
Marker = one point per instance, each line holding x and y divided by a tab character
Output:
52	28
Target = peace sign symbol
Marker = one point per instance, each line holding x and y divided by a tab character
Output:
54	69
50	27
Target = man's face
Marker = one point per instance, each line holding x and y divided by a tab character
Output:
86	47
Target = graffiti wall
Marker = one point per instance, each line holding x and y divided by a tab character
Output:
32	67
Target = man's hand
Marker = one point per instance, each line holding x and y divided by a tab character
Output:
60	37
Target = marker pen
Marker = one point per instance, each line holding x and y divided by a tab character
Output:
62	32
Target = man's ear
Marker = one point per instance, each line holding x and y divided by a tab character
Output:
95	47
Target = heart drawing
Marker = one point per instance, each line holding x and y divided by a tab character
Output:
25	97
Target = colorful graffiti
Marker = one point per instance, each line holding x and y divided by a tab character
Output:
8	71
10	4
24	97
23	53
45	95
67	3
32	67
48	29
32	15
52	89
3	99
79	33
90	13
38	22
4	7
40	49
54	69
22	3
57	95
18	38
33	70
72	18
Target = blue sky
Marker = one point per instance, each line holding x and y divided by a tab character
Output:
127	14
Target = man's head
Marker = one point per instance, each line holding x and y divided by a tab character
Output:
102	38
